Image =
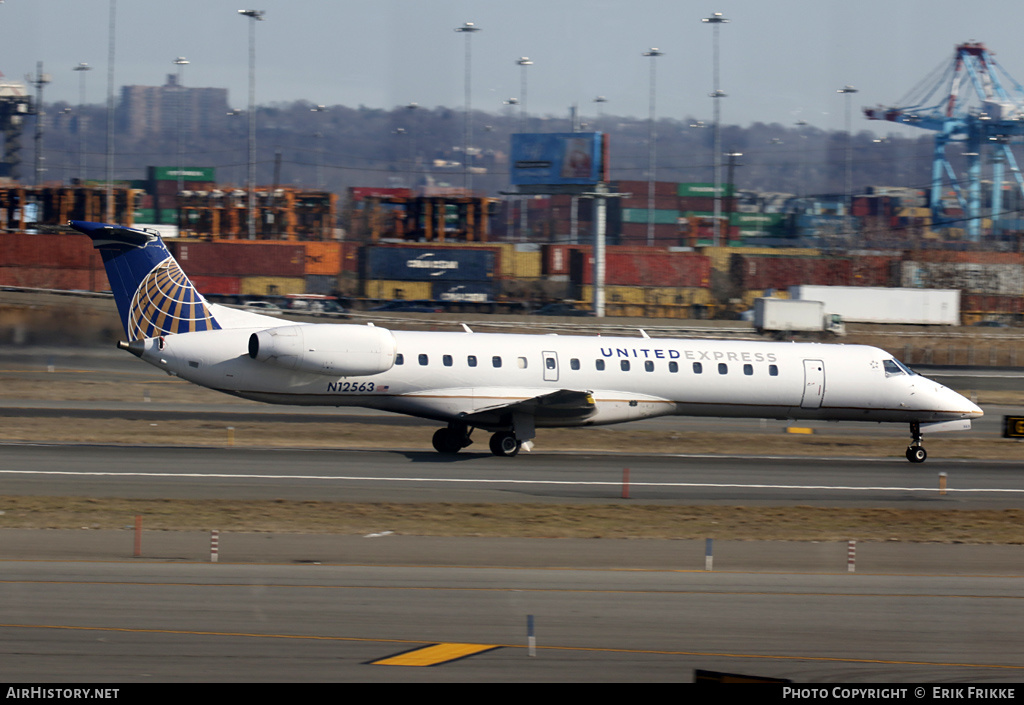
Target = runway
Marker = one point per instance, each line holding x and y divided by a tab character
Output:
75	606
134	622
424	476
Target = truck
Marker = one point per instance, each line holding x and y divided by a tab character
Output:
782	317
867	304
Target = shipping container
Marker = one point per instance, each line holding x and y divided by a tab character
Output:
272	286
524	263
405	290
704	189
477	292
700	204
241	258
428	264
780	272
214	285
874	270
323	258
63	251
359	193
54	278
643	215
626	266
976	303
322	284
969	277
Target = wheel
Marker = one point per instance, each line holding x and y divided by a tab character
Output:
446	442
916	454
504	444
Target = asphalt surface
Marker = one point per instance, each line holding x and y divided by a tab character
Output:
80	606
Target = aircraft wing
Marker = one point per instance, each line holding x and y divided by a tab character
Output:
563	405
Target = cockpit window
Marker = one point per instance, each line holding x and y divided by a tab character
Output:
905	368
895	367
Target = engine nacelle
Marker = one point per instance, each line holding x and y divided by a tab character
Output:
326	349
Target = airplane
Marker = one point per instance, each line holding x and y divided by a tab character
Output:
509	385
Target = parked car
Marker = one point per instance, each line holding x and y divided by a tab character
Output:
263	307
991	324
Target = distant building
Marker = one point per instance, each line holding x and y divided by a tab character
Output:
150	111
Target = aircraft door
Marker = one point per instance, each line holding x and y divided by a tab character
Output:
814	384
550	366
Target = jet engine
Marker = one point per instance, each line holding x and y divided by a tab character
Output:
326	349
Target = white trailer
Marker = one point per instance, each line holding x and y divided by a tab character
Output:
864	304
784	316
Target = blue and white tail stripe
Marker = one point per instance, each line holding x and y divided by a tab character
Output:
153	295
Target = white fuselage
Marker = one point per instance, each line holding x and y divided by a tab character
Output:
446	375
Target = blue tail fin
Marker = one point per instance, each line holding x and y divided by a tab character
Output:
153	295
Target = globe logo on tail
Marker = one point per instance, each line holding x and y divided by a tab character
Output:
166	302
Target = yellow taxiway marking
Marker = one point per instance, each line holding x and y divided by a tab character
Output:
434	655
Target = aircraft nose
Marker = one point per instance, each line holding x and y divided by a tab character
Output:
962	405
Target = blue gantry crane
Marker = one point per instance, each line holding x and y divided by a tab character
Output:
972	101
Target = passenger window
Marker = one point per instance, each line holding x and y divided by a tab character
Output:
599	364
748	369
574	363
423	359
624	365
549	363
496	361
673	366
521	361
697	368
471	360
446	360
649	365
399	359
773	370
723	369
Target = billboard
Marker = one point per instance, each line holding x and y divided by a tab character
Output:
557	162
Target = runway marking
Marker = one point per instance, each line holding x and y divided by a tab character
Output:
434	655
587	649
502	481
578	591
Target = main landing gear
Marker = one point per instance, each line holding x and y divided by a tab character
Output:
455	437
452	439
505	444
916	452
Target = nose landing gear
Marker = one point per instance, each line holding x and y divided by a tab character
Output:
916	452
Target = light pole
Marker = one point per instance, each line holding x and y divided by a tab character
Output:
524	227
320	150
39	80
181	62
523	61
653	54
848	91
110	210
600	100
716	20
81	68
467	133
250	217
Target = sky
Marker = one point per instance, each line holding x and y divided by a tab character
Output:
781	61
